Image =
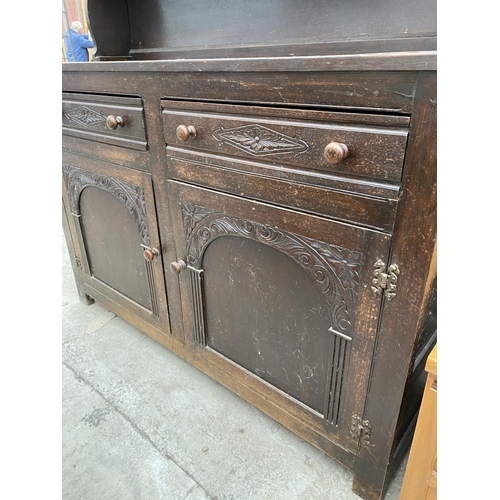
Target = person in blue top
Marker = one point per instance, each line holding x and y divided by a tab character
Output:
79	43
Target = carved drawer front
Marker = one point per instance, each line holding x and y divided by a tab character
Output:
369	146
114	120
282	306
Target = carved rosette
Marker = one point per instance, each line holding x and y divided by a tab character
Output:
85	117
335	270
260	141
130	195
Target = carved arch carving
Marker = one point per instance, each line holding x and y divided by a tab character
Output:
130	195
335	270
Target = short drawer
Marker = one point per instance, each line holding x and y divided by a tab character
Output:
114	120
367	146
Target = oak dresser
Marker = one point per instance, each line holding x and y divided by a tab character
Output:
253	184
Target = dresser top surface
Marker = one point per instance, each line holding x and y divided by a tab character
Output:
370	61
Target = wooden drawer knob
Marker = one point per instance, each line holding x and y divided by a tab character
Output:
113	122
177	267
151	253
185	132
335	152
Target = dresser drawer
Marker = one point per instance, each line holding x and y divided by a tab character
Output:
114	120
342	143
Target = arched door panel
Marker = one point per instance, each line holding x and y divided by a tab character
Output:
268	316
106	227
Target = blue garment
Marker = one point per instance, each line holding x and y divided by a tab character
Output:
80	44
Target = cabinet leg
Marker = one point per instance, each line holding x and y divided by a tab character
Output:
373	473
375	490
85	299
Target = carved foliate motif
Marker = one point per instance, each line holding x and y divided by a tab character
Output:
260	141
85	117
191	215
335	270
130	195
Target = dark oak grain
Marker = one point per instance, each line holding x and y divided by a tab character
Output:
402	320
150	29
216	180
344	206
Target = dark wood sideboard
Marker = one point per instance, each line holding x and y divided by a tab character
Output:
254	186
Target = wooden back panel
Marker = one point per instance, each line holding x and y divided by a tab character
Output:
159	29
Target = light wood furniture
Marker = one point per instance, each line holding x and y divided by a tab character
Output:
420	482
253	184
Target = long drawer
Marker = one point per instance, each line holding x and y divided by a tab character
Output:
114	120
367	146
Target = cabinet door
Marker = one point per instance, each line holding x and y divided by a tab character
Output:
113	218
281	300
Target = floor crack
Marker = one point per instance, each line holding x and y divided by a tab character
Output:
142	433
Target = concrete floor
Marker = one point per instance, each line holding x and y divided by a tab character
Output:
141	423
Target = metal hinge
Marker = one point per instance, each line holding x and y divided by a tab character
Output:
77	261
361	430
385	281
